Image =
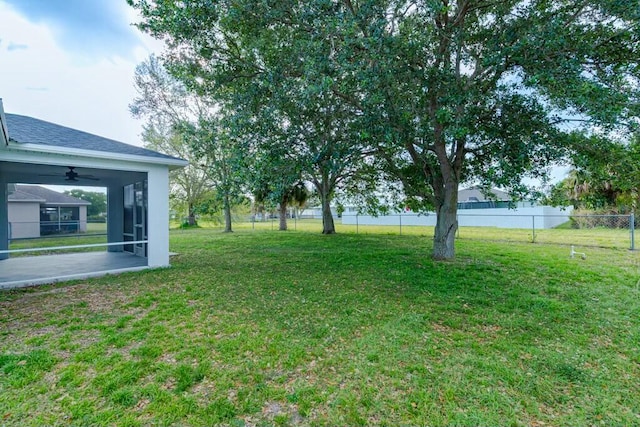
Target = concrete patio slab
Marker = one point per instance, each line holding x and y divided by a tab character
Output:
34	270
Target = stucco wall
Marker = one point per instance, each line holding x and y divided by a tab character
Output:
83	218
24	220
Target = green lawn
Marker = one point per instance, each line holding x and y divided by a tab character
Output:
269	328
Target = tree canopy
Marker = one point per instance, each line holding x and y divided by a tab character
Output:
184	124
605	177
97	199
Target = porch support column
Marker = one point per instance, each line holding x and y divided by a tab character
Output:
158	218
115	217
4	218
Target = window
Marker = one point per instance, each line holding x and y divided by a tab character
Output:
59	219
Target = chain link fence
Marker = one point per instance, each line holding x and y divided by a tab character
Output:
43	234
607	231
610	231
58	228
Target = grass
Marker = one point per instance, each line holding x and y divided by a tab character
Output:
261	328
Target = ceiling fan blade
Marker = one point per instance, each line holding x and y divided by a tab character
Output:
71	175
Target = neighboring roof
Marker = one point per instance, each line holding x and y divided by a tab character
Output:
21	196
23	129
32	193
474	194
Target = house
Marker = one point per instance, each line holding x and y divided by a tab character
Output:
474	198
34	151
35	211
475	209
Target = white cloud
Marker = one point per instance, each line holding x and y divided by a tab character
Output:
16	46
53	84
94	28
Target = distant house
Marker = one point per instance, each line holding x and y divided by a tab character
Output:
474	198
36	211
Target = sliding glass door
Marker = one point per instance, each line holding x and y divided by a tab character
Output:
135	218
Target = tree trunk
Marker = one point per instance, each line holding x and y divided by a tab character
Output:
325	190
446	223
328	227
283	216
192	215
227	215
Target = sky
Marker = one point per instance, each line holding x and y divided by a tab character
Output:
72	62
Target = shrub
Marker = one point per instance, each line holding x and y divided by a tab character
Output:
602	218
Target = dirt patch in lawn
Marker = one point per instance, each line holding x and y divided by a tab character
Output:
37	310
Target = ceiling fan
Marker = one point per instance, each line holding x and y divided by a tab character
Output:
72	175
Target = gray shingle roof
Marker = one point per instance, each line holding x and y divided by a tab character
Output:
476	193
21	196
49	197
23	129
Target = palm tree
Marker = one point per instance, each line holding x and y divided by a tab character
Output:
296	196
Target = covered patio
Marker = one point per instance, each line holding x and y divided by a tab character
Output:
136	180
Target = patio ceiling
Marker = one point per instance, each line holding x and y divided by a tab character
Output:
31	173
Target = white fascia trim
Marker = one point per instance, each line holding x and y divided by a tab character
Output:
41	148
65	205
4	133
26	201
